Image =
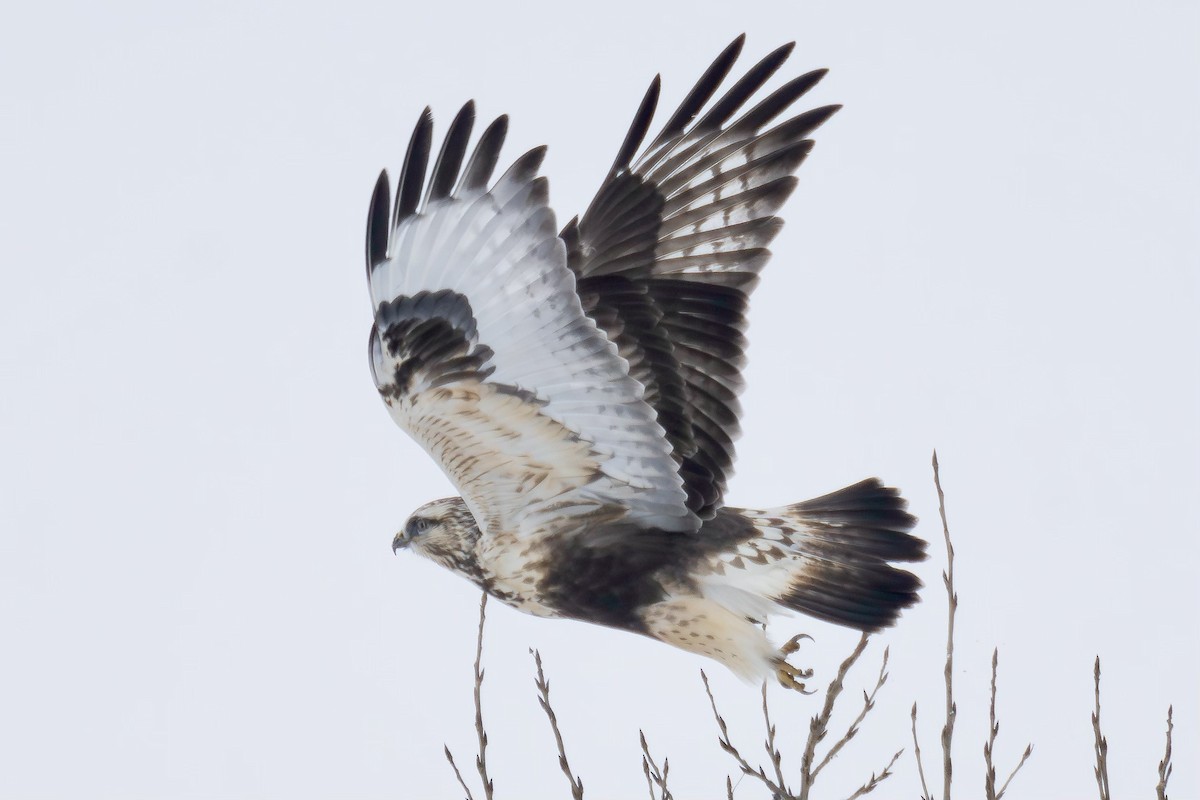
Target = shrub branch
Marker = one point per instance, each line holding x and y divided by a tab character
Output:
952	596
989	747
1101	743
654	776
868	705
917	754
773	753
1164	766
481	758
727	745
543	687
818	726
875	780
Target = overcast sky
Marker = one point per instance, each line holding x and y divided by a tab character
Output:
993	251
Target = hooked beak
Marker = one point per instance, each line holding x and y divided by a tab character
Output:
400	541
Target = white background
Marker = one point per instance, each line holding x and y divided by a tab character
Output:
993	251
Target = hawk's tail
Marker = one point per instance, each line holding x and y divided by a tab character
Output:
846	540
831	557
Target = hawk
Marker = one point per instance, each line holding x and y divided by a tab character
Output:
580	387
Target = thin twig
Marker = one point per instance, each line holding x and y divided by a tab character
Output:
466	789
543	687
728	788
726	745
989	747
652	771
868	705
1164	766
649	782
952	596
989	769
481	759
917	753
1024	757
773	753
874	781
1101	743
818	727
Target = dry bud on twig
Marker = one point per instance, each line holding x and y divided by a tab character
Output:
818	726
917	754
727	745
481	734
543	687
989	747
1101	743
481	759
952	596
773	753
1164	766
875	780
654	776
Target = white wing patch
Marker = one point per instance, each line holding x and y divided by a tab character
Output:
528	408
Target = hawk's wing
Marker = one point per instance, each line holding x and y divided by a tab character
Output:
483	355
668	252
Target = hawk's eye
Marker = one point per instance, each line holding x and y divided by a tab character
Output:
419	525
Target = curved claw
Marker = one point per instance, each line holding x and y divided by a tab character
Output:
793	644
790	676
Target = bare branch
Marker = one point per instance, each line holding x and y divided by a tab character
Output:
989	772
868	704
1024	757
917	753
1164	766
1101	743
543	687
481	759
952	597
818	727
466	789
772	751
728	788
874	781
649	782
989	747
726	745
652	771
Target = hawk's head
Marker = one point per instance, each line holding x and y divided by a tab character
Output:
445	531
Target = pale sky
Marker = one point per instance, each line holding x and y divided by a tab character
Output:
993	251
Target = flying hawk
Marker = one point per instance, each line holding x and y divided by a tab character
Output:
580	387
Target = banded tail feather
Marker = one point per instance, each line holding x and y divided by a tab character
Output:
831	558
844	544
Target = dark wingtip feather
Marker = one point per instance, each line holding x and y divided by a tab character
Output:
819	116
779	100
487	152
416	160
741	91
525	168
639	126
701	92
802	125
449	160
377	222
